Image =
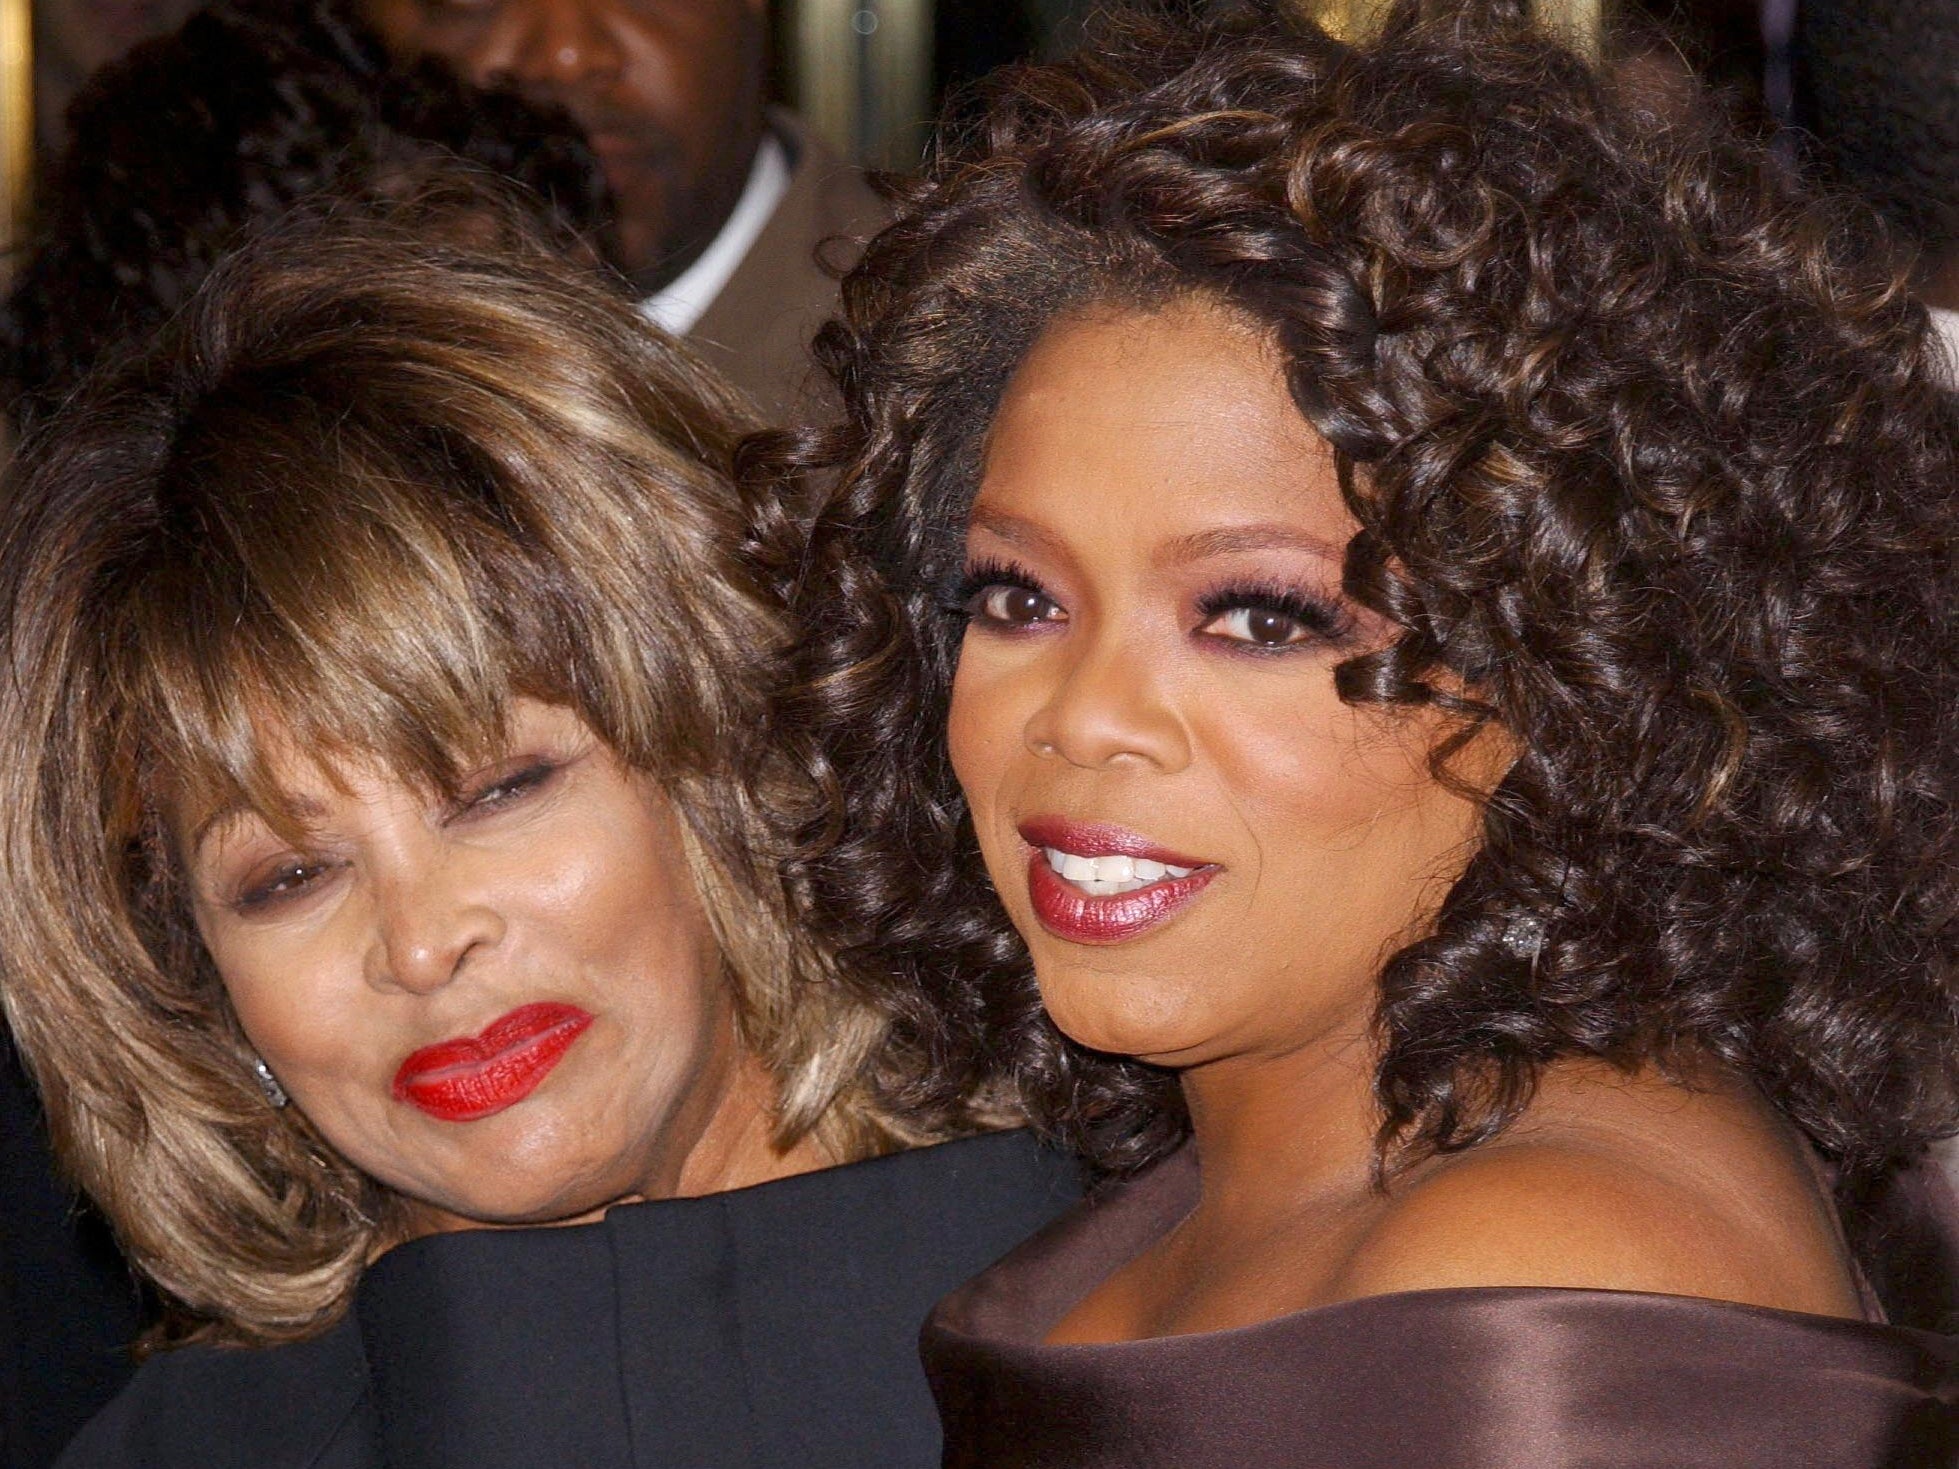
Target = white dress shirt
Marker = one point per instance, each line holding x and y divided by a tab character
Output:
684	299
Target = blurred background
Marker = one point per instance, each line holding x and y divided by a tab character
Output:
867	74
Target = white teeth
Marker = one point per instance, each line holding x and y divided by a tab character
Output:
1104	877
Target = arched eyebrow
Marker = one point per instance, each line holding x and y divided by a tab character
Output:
1226	540
299	808
1223	540
1013	529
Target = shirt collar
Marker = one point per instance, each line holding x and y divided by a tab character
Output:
679	306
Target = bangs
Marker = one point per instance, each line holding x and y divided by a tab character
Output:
389	620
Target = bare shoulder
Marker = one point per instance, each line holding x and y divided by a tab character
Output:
1640	1188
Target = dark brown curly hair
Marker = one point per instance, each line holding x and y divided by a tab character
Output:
1648	453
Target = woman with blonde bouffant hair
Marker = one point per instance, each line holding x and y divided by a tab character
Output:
382	785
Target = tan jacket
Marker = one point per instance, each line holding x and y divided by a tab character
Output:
757	331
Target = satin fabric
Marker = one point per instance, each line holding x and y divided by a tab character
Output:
1496	1378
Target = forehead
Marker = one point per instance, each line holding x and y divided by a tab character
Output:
1142	427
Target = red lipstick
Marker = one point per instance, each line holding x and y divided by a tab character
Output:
476	1076
1065	911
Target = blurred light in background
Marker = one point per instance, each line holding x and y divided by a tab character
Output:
16	116
862	75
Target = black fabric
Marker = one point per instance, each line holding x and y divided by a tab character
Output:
1496	1378
303	1406
770	1328
68	1305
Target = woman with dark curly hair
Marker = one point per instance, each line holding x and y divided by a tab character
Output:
1429	597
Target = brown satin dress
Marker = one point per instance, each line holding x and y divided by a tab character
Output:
1491	1378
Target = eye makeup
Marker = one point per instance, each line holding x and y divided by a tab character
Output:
509	786
270	884
1323	621
961	598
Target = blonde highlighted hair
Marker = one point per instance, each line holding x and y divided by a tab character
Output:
364	493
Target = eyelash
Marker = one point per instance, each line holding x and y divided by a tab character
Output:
981	577
1324	622
509	788
291	878
275	887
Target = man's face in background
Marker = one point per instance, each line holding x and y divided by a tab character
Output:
668	92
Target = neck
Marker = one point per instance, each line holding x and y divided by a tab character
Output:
737	1147
654	257
1276	1132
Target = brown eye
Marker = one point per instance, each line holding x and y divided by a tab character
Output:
286	880
1013	606
1259	626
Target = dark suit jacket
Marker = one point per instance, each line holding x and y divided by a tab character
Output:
757	331
774	1327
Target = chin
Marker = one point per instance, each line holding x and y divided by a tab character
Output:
1125	1016
518	1202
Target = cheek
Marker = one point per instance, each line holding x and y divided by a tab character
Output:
400	25
299	1000
1355	836
983	735
667	80
621	904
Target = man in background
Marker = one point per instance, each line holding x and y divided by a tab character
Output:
721	201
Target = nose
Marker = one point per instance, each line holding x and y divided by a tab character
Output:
428	924
552	48
1107	711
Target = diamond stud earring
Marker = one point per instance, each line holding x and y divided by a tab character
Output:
268	1083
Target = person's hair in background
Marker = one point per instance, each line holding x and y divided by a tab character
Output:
1706	585
1877	93
350	432
197	140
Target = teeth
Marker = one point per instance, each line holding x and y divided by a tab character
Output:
1104	877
